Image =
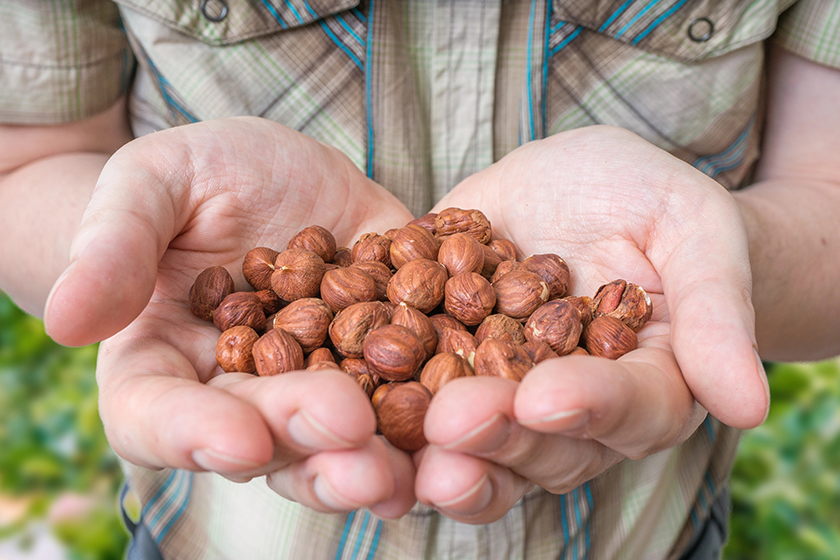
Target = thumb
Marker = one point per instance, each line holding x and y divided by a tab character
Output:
707	283
114	256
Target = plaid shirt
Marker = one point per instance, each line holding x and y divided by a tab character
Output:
420	94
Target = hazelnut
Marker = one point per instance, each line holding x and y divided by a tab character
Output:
502	327
443	368
372	247
393	352
318	366
316	239
419	283
454	220
427	221
553	270
277	352
461	253
297	274
418	323
358	370
352	324
307	320
503	268
211	286
413	242
625	301
442	321
520	293
319	355
496	357
240	308
457	342
391	233
556	323
343	287
578	352
258	266
504	248
343	257
234	347
380	273
400	412
608	337
469	297
491	262
270	301
540	351
584	305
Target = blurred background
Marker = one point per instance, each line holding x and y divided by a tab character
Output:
59	479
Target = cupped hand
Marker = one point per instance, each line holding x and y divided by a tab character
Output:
169	205
613	206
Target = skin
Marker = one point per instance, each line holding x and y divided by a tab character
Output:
170	204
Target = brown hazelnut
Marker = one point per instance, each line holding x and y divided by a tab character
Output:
319	355
625	301
557	323
318	366
461	253
608	337
372	247
352	324
343	287
307	320
316	239
277	352
539	351
426	220
496	357
258	266
443	368
553	270
234	349
413	242
504	248
455	220
520	293
271	302
502	327
400	412
503	268
418	323
391	233
211	286
419	283
491	262
343	257
358	370
297	274
380	273
584	305
240	308
469	297
393	352
457	342
578	352
442	321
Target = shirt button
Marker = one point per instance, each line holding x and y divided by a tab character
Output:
701	29
214	10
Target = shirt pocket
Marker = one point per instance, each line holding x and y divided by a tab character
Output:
685	75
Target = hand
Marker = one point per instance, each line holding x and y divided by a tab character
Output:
613	206
165	207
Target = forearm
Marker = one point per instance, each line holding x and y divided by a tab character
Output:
795	257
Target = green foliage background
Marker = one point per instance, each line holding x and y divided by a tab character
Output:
785	486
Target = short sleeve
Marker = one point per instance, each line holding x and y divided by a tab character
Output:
60	61
811	29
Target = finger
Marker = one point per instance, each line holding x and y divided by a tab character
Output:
334	481
707	283
467	489
403	498
478	419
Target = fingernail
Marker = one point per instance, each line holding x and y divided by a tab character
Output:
563	421
484	438
762	376
59	281
308	432
212	460
327	495
474	500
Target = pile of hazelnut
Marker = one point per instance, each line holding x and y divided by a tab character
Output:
409	310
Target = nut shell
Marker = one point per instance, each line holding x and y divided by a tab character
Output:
234	349
427	221
393	352
503	268
623	300
317	239
457	342
608	337
442	369
351	325
455	220
557	323
418	323
277	352
461	253
584	305
343	257
307	320
211	286
258	266
319	355
442	321
413	242
400	412
240	308
504	248
499	358
297	274
491	262
380	273
419	283
469	297
502	327
539	351
372	247
519	293
342	287
553	270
